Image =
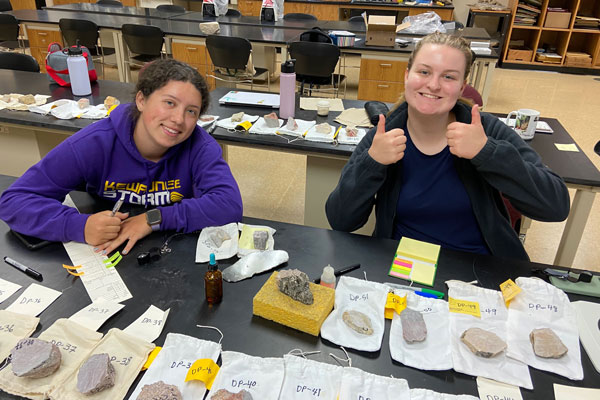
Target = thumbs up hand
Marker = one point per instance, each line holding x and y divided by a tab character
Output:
387	147
467	140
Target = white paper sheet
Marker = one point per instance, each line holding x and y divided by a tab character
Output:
7	289
99	281
149	325
35	299
94	315
562	392
490	389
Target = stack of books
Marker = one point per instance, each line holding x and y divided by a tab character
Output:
528	12
582	22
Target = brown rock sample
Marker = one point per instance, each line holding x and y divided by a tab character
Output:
223	394
271	120
414	328
483	343
110	101
294	283
96	374
27	99
547	344
260	239
34	358
358	322
160	391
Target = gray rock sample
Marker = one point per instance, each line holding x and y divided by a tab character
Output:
34	358
294	283
414	328
547	344
260	239
218	237
483	343
223	394
358	322
237	117
160	391
96	374
271	120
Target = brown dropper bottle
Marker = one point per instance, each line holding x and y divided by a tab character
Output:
213	282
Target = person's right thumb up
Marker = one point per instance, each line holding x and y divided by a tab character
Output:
381	125
387	147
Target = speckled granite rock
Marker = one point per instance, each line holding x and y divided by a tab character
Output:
96	374
35	358
294	283
547	344
223	394
483	343
260	239
160	391
413	326
358	322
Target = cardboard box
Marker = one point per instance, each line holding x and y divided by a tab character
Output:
557	19
575	59
381	30
519	54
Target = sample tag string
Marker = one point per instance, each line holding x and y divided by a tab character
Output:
338	359
212	327
301	353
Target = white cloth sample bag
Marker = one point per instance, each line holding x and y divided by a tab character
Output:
308	380
358	384
365	297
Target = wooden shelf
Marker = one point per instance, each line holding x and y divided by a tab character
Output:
564	39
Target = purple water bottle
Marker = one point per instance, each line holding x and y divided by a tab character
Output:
287	90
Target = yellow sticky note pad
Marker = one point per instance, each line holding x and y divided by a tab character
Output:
567	147
423	251
151	358
394	303
509	290
204	370
423	273
464	307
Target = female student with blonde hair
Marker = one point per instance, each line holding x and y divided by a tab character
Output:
435	167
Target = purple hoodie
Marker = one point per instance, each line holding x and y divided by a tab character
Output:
191	185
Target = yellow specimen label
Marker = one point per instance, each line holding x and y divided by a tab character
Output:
204	370
151	357
509	291
394	303
464	307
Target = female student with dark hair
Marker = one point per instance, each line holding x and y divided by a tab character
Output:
150	152
435	168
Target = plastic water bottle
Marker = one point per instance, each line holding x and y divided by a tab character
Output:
287	90
78	72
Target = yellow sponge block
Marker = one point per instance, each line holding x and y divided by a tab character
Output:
271	304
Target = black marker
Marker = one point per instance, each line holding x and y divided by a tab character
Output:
32	273
342	271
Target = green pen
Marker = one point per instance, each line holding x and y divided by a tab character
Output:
435	293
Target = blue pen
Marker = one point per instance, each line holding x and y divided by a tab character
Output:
423	294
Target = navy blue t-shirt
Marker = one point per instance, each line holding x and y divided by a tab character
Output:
433	205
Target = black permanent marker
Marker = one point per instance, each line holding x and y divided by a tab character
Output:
32	273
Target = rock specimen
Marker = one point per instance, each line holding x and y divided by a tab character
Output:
218	237
358	322
110	101
27	99
34	358
351	131
237	117
271	120
294	283
291	125
7	99
83	103
96	374
547	344
260	239
323	128
160	391
413	326
223	394
483	343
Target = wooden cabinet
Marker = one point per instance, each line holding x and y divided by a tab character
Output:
195	54
23	4
381	79
249	7
323	12
543	30
39	39
445	14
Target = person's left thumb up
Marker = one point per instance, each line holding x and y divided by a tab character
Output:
475	116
